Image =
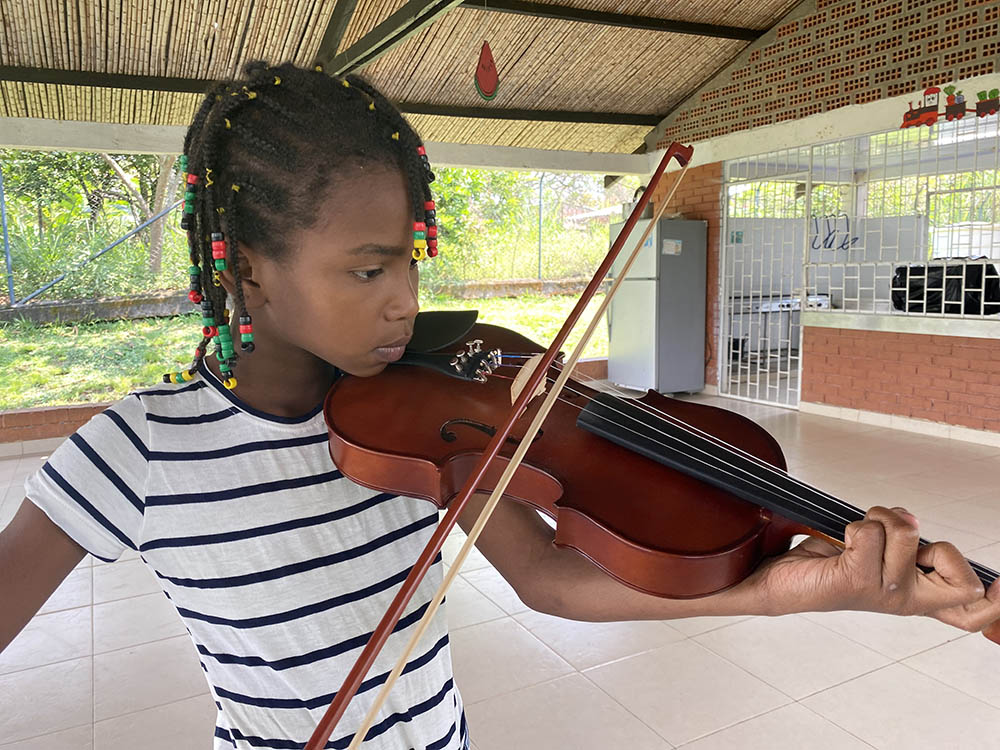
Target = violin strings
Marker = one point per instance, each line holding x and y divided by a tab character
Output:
718	464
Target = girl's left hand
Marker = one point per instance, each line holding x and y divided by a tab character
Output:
877	571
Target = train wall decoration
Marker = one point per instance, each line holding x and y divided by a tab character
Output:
955	106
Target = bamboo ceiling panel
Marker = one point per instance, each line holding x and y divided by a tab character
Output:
182	38
94	104
550	64
367	15
549	135
751	14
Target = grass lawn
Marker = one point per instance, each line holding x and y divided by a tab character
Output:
87	363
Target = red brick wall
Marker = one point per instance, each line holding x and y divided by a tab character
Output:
48	422
842	53
948	379
700	197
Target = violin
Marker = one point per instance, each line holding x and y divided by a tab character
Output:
673	498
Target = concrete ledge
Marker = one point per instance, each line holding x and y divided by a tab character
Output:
896	422
45	423
80	311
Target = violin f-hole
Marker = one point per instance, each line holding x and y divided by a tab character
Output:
450	437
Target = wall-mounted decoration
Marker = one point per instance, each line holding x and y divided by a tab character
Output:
487	78
987	103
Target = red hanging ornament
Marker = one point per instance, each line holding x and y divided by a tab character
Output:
487	78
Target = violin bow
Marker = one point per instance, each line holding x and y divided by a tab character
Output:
352	682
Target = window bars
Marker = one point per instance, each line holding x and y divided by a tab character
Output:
899	223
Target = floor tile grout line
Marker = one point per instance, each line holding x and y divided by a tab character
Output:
93	669
626	709
38	736
93	655
150	708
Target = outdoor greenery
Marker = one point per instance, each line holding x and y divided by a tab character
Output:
63	208
96	362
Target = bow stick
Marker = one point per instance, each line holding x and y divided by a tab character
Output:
389	620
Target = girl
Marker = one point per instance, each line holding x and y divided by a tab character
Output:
308	206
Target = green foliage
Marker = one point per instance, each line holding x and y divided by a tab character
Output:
50	365
64	207
489	224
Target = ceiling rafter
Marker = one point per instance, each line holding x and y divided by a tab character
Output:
602	18
343	11
201	85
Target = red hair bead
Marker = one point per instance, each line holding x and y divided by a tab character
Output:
419	226
432	252
429	205
421	150
432	231
210	331
432	243
192	179
219	254
219	245
246	329
194	297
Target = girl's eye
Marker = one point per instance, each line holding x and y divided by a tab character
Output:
367	275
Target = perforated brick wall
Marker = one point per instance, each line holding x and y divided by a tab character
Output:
950	379
841	53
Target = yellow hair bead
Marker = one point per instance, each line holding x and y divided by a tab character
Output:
208	176
229	125
318	68
346	83
420	243
220	210
236	188
371	106
173	377
215	279
230	383
395	136
277	81
419	253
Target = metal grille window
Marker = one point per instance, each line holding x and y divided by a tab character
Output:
899	223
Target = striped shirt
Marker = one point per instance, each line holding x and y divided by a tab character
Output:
279	566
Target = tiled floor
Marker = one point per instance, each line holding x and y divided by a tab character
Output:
106	665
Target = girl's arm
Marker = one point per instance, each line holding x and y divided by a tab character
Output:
35	556
876	572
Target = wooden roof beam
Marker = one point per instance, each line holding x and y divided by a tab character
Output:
394	30
201	85
581	15
343	11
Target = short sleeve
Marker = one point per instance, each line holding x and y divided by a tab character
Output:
93	486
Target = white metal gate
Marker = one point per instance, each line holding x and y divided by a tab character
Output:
764	234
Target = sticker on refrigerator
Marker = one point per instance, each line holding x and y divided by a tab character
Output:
670	247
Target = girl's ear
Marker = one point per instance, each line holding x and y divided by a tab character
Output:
253	293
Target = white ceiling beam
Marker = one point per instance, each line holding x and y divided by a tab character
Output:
62	135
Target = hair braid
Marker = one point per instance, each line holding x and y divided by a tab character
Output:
263	149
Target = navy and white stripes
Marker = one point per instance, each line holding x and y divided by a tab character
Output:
280	566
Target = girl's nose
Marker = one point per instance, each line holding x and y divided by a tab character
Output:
404	303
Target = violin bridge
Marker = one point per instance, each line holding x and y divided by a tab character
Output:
521	380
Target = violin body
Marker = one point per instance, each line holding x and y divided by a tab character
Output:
414	431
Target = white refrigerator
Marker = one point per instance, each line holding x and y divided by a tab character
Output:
656	322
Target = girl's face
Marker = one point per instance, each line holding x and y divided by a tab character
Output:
347	291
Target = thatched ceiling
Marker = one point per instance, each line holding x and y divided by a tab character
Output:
79	59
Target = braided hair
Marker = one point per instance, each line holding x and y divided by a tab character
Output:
257	153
